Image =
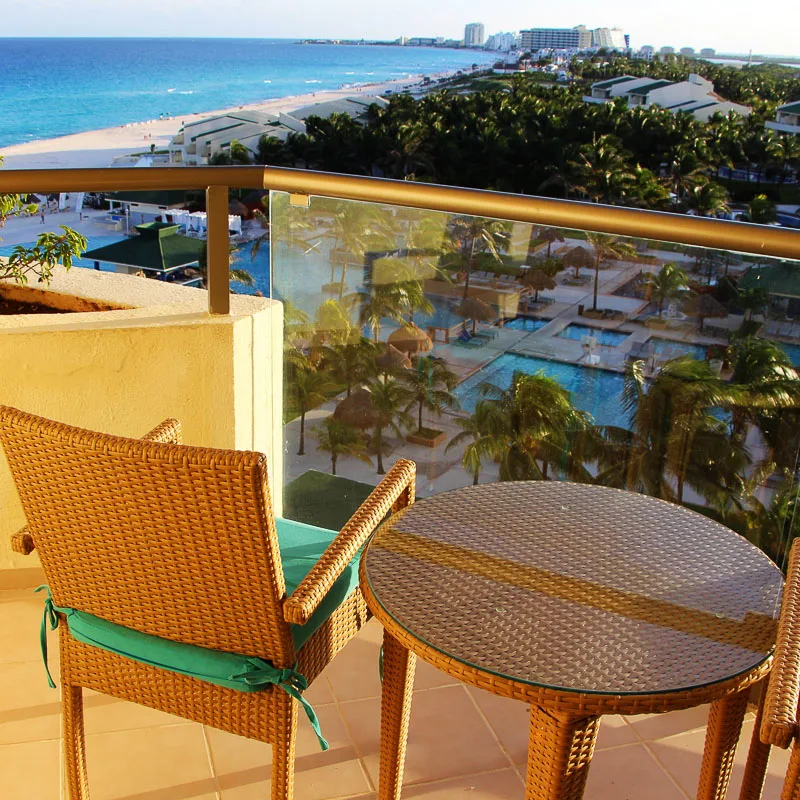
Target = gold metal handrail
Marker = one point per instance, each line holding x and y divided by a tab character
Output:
679	228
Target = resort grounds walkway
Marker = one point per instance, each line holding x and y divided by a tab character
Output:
463	742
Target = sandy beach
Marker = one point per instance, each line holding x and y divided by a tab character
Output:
99	148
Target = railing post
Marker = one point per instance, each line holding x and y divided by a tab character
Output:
218	253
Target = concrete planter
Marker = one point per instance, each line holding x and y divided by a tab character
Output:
427	437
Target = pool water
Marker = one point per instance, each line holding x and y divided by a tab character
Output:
597	391
669	349
526	324
577	332
791	350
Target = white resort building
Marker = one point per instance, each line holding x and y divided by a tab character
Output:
695	95
787	120
199	141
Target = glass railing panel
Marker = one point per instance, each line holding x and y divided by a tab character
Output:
490	350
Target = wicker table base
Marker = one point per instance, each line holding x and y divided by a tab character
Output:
563	726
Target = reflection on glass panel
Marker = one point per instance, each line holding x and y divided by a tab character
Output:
487	350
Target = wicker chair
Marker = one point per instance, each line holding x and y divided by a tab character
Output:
776	720
179	543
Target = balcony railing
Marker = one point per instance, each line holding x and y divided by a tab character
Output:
340	244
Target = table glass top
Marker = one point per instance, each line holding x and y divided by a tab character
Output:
577	587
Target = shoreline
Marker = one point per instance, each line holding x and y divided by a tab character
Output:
98	148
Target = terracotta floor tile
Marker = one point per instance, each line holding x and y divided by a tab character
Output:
681	756
29	709
104	714
447	738
614	731
320	692
242	766
20	618
165	763
30	770
629	773
659	726
503	785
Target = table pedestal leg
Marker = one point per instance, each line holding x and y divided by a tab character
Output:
398	681
722	735
559	753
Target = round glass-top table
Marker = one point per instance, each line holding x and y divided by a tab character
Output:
580	600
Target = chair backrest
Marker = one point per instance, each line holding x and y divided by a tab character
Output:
174	541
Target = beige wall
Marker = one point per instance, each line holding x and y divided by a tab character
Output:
124	371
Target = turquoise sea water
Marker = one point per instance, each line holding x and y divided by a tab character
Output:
53	87
597	391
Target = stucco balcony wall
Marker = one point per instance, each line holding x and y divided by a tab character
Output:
160	354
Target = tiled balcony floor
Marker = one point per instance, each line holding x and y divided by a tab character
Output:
463	742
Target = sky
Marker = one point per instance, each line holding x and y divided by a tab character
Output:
731	27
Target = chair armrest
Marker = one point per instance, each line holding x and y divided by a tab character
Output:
168	432
779	725
22	542
395	491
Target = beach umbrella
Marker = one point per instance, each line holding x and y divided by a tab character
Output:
549	235
578	257
238	208
357	410
392	358
475	309
410	339
538	280
703	306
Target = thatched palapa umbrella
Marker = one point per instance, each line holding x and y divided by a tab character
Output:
578	257
357	410
391	359
538	280
411	339
475	309
703	306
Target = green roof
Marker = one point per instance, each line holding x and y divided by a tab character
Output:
166	198
612	82
648	87
779	279
790	108
158	247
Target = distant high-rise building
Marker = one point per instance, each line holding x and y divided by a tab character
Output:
610	38
708	52
502	41
667	51
687	51
474	35
577	38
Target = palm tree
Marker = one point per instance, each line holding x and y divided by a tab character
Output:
675	437
474	235
340	441
389	399
533	424
548	235
670	281
306	388
762	210
350	364
603	171
709	199
479	432
430	384
606	247
236	273
382	303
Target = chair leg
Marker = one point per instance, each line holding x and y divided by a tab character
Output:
722	735
757	757
398	681
283	746
74	742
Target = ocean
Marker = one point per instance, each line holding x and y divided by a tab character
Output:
54	87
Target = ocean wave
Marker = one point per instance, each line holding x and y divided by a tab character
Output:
349	73
170	91
267	81
190	92
312	81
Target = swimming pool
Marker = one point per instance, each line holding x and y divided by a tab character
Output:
791	350
597	391
526	324
577	332
669	349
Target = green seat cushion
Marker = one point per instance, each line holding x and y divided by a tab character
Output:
301	546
